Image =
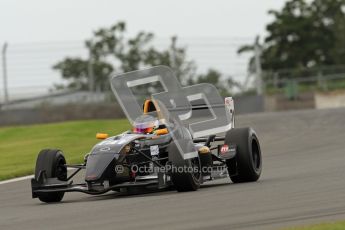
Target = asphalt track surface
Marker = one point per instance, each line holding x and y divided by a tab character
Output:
303	182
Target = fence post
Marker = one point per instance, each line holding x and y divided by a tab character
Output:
275	80
258	70
4	71
321	81
90	71
174	57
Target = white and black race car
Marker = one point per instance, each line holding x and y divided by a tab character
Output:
173	154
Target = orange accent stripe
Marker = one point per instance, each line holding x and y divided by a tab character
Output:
102	135
161	132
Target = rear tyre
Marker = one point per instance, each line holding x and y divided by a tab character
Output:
53	163
247	165
188	179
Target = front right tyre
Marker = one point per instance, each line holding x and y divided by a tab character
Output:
186	175
246	166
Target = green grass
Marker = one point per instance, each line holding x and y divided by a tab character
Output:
327	226
19	145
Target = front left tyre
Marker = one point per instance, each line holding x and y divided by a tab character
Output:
51	162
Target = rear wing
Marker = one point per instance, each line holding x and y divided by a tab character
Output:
230	106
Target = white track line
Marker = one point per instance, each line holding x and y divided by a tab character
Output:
21	178
16	179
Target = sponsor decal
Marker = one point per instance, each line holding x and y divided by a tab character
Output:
105	149
224	149
119	169
154	149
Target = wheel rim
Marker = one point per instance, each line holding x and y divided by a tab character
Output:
61	171
256	156
195	163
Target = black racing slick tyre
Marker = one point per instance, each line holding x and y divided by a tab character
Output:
247	164
185	174
52	162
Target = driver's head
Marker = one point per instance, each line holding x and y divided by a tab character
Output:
145	124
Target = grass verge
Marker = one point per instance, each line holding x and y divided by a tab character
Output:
327	226
19	145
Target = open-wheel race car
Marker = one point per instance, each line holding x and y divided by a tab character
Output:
181	138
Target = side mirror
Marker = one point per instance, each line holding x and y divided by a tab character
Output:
102	136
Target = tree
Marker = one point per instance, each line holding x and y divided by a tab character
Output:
225	85
305	34
111	52
176	58
76	70
250	48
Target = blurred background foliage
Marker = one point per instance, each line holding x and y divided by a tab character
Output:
303	35
112	52
305	39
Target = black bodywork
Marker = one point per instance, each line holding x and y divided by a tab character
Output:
129	150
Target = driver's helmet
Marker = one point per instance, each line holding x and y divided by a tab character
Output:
145	124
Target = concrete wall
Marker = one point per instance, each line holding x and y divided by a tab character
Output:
243	105
330	100
56	113
59	113
58	99
310	100
279	102
249	104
